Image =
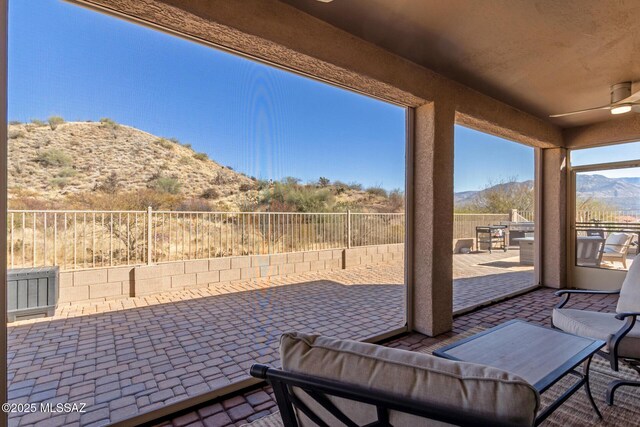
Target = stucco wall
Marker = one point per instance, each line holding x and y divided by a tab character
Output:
102	284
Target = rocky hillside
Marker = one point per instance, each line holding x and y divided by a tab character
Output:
105	165
77	157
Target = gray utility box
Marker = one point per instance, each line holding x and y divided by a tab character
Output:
31	292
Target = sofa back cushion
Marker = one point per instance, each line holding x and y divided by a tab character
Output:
629	300
419	377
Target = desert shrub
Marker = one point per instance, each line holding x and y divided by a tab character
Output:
164	143
177	141
111	184
377	191
108	123
210	194
201	156
244	187
185	160
195	205
263	184
15	122
222	179
31	200
15	134
165	184
290	181
354	186
289	195
59	182
37	122
501	198
324	182
66	172
55	121
396	200
340	187
131	200
54	157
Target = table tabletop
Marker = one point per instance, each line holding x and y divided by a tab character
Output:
539	355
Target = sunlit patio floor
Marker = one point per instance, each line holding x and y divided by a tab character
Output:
125	358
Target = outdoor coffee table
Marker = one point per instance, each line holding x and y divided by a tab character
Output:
539	355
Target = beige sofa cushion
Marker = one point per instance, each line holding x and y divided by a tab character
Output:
416	376
629	299
599	326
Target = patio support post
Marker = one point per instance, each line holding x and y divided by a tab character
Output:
551	218
149	235
348	228
432	220
3	202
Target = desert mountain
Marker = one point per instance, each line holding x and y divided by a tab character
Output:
82	156
72	164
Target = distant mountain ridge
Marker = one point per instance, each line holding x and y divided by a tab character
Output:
621	193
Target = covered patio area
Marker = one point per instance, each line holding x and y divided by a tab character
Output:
181	358
153	351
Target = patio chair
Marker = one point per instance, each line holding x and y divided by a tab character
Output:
330	382
617	329
589	251
616	247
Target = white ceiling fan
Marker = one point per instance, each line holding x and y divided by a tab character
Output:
622	101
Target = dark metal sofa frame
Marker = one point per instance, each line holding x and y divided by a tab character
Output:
612	343
319	389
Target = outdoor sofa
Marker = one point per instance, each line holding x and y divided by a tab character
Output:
328	382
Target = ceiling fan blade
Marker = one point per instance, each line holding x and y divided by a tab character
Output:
604	107
634	98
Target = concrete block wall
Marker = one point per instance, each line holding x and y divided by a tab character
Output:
368	255
102	284
170	276
98	284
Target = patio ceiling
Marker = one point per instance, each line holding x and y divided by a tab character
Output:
542	56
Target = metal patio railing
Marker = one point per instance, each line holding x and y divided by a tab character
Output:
88	239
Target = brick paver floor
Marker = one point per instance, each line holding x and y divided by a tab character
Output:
137	355
534	307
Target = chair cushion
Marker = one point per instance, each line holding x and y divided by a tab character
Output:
416	376
629	300
617	242
596	325
612	251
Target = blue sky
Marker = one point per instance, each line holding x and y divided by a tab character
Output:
69	61
482	159
608	154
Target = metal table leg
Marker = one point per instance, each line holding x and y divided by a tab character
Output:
587	388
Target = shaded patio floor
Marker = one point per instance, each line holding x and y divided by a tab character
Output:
534	307
162	349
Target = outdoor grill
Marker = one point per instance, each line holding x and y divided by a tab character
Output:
491	234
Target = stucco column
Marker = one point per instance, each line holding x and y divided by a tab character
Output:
553	218
432	219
